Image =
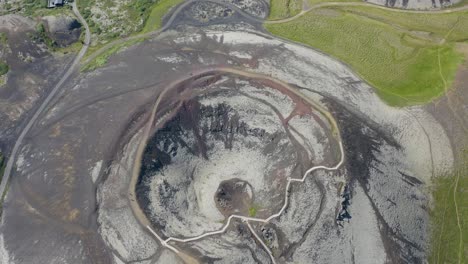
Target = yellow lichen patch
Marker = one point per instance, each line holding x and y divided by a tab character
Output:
73	214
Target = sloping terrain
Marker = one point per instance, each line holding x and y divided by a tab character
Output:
205	139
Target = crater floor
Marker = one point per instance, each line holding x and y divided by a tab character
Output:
231	129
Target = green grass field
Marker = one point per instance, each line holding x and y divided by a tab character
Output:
280	9
450	219
154	21
402	55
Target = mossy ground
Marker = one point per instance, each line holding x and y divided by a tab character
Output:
153	21
280	9
450	217
32	8
4	68
403	55
253	211
102	59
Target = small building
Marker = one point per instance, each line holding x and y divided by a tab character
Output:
54	3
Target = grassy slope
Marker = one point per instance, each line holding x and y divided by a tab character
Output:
102	59
284	8
384	48
30	6
154	21
280	9
4	68
449	244
461	3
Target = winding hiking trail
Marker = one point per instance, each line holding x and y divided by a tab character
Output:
142	218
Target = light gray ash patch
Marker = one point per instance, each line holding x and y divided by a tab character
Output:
376	162
207	11
257	8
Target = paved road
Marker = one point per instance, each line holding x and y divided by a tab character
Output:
73	67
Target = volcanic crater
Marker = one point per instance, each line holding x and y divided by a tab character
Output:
226	145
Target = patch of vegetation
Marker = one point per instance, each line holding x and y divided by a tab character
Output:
141	10
103	58
129	19
61	10
3	39
280	9
35	8
450	217
409	58
155	18
85	9
29	7
152	22
253	211
136	17
459	4
4	68
43	37
72	48
7	6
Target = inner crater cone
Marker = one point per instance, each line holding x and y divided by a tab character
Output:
235	196
226	147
